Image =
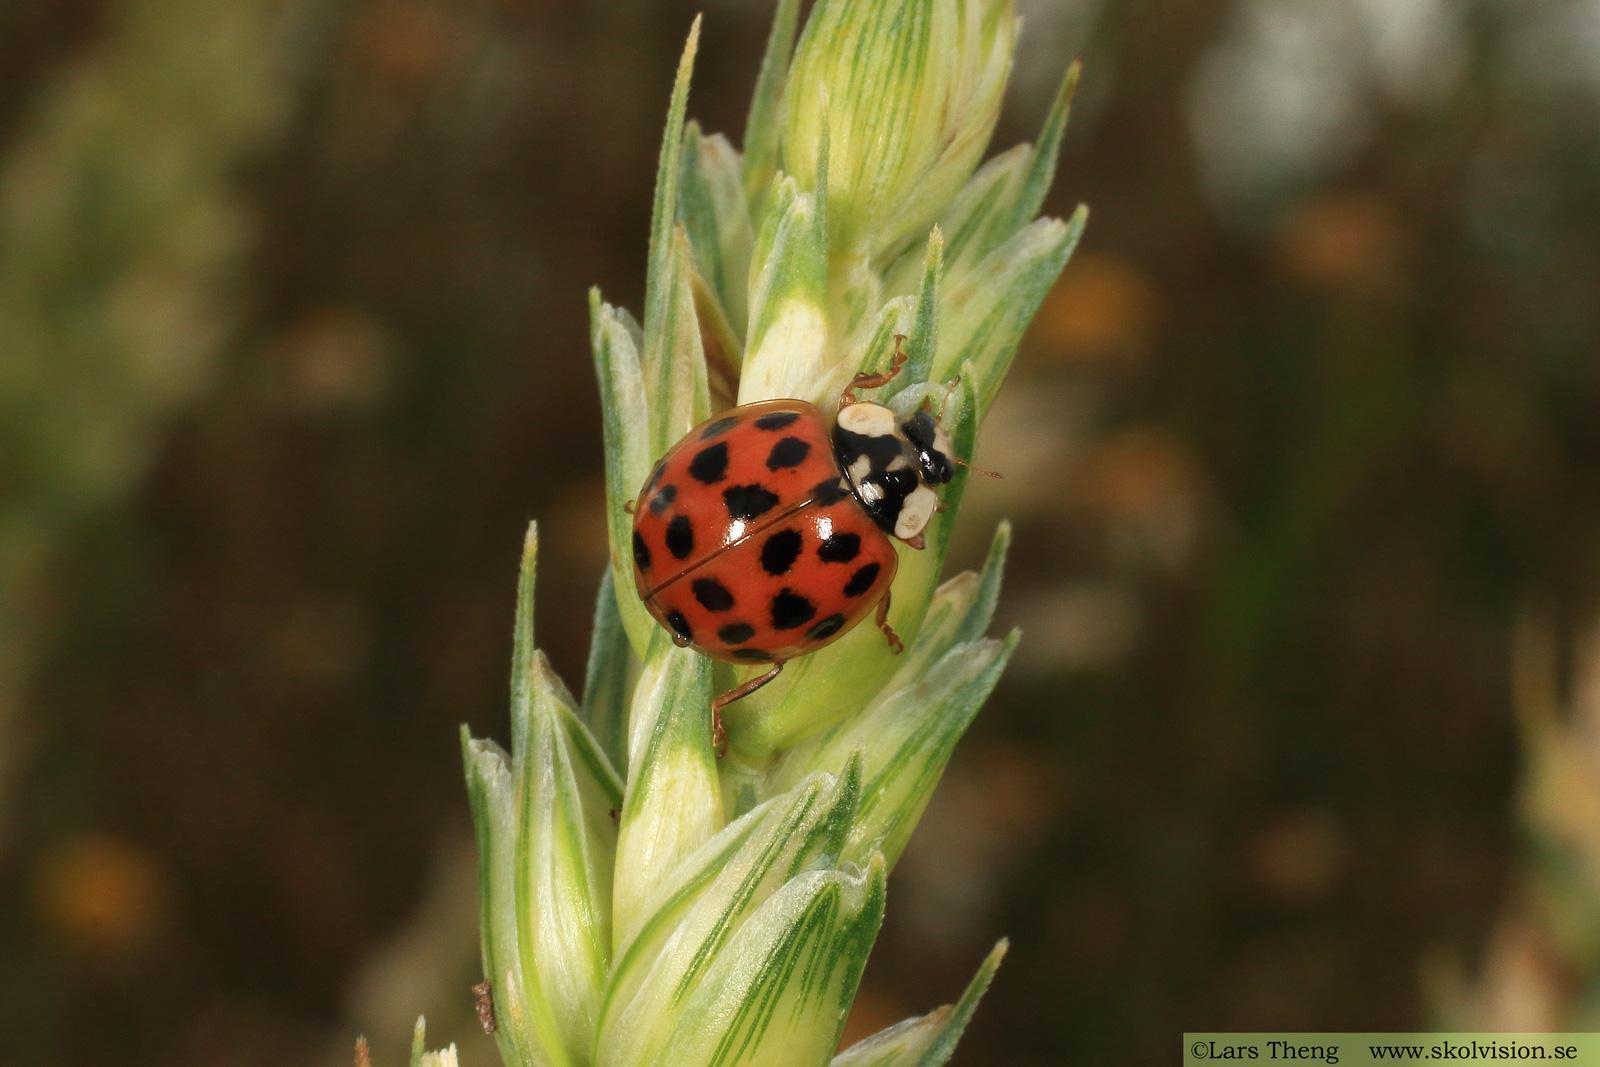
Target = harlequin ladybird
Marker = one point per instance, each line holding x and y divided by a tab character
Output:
761	536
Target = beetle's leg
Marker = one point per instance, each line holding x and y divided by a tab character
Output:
918	541
873	381
883	624
745	689
628	507
719	737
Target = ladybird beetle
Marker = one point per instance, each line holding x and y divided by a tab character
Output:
761	536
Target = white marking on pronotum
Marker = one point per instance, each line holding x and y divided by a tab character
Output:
868	419
860	469
915	512
869	492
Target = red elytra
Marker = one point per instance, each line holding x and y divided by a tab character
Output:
749	545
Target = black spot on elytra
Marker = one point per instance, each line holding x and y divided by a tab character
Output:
679	625
780	551
718	427
840	548
790	610
712	594
748	501
663	499
826	628
710	464
828	491
778	420
752	655
641	552
862	580
680	537
789	452
736	633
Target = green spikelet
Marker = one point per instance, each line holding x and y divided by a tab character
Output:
646	903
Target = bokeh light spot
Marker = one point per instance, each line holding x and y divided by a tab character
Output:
1102	311
103	895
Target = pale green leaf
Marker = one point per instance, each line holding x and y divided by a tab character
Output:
928	1040
563	857
659	293
971	221
780	997
762	127
722	347
675	374
999	200
923	344
600	785
714	213
608	679
490	792
993	304
872	346
420	1057
915	90
712	210
1042	160
963	606
905	736
788	351
545	845
419	1041
625	422
673	803
958	616
920	726
523	650
714	893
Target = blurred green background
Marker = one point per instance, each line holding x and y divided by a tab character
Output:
293	342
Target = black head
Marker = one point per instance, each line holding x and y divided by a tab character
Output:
930	447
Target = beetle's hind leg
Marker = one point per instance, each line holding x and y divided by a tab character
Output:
895	645
745	689
719	736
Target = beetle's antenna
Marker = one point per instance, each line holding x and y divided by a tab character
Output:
951	388
945	402
979	470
